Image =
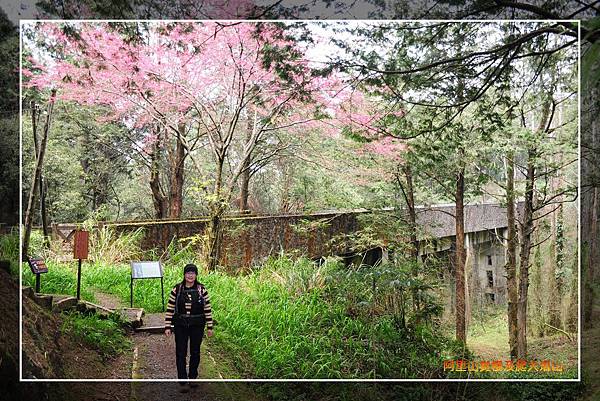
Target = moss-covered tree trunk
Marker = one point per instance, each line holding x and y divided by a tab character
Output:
214	229
525	252
511	255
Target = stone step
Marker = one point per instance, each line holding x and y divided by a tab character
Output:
150	329
43	300
99	309
133	316
61	303
64	304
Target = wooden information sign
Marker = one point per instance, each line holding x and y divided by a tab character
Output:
80	244
80	252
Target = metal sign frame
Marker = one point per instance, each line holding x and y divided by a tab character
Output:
138	274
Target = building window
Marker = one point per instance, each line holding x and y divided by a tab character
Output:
489	260
490	279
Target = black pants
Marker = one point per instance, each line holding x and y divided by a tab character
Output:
182	334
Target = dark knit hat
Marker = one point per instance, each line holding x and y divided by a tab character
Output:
190	268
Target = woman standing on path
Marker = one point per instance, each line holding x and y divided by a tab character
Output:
188	311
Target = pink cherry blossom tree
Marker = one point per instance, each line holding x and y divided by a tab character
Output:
185	84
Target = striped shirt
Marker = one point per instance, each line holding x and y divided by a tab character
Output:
188	307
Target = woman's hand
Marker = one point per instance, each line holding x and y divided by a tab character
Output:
167	332
209	332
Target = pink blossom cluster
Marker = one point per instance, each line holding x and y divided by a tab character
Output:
179	74
367	116
207	74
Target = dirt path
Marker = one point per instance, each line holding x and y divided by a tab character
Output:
154	358
107	300
156	354
490	352
169	391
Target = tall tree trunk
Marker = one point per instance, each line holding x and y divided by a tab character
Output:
36	177
409	195
555	290
511	255
177	175
537	307
158	197
461	330
286	170
556	272
44	216
527	228
42	187
591	260
525	252
590	180
560	250
214	231
407	190
245	176
244	191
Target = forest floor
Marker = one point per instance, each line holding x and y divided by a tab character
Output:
230	391
488	339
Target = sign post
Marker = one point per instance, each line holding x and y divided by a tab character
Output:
80	252
37	266
143	270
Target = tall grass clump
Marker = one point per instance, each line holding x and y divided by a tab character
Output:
110	247
297	275
286	321
180	251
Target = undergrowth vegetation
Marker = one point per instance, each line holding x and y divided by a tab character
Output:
294	318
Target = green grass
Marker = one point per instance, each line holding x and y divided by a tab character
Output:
61	278
105	335
292	319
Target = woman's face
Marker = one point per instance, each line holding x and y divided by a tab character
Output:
190	277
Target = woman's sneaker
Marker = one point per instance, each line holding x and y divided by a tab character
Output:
183	387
